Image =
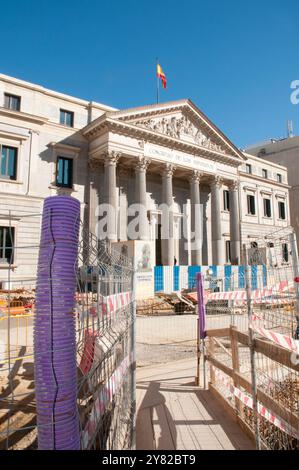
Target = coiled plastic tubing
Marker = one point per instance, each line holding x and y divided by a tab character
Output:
54	326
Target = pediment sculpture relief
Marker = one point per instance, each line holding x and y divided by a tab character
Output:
180	128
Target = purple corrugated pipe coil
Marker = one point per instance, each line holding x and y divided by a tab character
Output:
201	305
54	326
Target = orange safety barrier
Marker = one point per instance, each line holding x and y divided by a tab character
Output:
13	310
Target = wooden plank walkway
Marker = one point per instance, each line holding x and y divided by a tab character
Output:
174	414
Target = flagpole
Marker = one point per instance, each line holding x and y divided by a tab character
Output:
157	61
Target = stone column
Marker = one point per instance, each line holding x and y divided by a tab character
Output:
217	242
235	246
111	159
196	219
140	197
95	171
167	216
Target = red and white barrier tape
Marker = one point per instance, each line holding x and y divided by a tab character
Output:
109	304
114	302
257	294
262	410
105	396
285	341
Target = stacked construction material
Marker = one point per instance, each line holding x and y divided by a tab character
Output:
54	326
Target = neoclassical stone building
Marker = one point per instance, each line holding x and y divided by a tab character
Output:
164	154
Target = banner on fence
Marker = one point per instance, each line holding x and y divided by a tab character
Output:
226	278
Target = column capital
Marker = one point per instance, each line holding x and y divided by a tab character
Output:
168	170
111	157
217	182
234	185
142	164
195	176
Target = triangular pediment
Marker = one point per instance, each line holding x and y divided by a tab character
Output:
180	120
179	126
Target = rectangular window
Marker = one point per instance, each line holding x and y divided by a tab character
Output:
285	252
226	200
279	178
64	172
7	237
66	118
228	251
265	173
267	207
281	210
8	164
12	102
250	204
248	168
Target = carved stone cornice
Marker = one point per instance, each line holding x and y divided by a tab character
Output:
142	164
168	170
148	135
111	157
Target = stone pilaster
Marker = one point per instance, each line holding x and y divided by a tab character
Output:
196	218
140	196
110	162
217	242
235	244
95	172
167	216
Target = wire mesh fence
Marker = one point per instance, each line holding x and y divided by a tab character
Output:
276	388
106	347
103	314
17	300
253	359
104	320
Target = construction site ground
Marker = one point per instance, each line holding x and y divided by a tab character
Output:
174	414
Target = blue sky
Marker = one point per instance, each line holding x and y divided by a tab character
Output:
234	59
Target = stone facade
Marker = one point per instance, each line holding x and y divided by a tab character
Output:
284	152
166	153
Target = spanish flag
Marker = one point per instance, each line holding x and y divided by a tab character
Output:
161	74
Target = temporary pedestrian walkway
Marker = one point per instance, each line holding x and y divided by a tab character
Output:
174	414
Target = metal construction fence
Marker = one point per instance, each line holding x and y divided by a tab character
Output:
67	354
250	343
253	352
